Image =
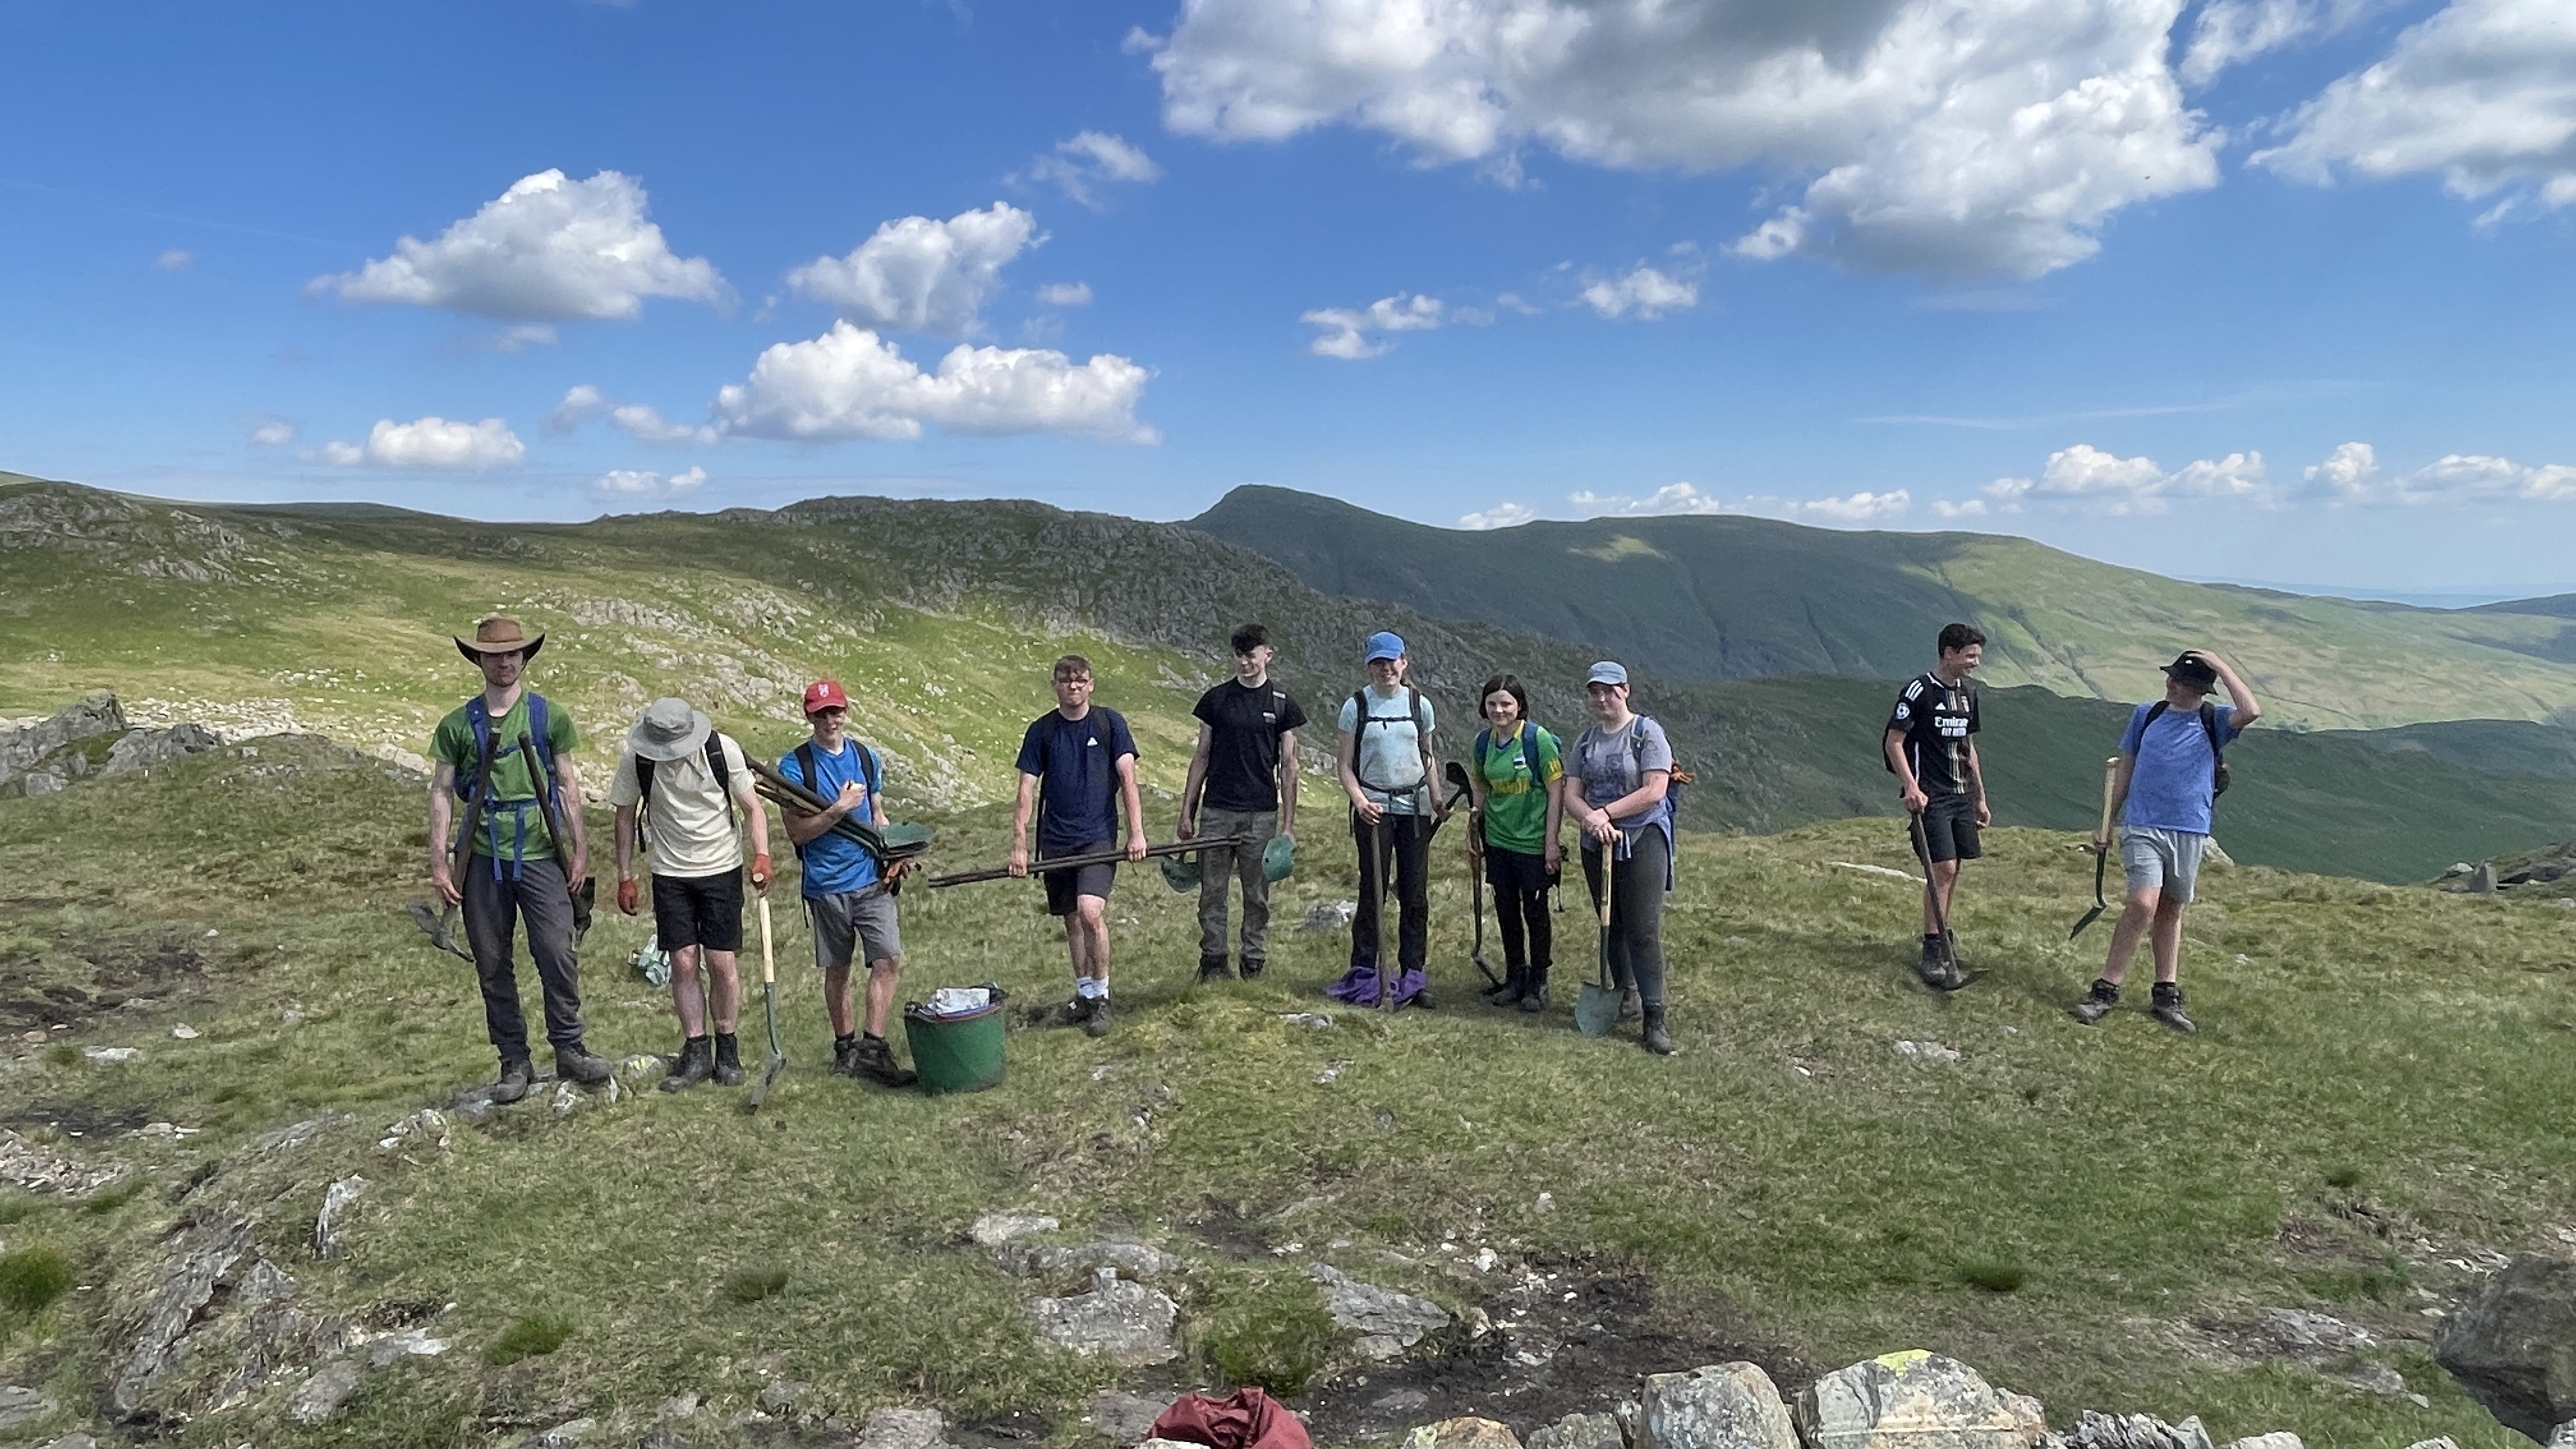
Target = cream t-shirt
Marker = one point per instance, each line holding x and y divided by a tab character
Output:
685	830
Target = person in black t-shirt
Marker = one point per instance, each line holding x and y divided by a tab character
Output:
1077	768
1931	745
1242	782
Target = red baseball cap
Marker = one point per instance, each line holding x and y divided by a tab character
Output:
825	694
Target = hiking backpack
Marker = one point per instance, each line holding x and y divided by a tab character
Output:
808	761
479	716
2209	727
1529	762
1362	718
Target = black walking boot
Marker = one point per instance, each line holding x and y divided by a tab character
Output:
1655	1039
1212	968
2097	1003
1534	990
845	1056
1251	968
728	1060
1508	994
874	1060
517	1080
695	1065
577	1063
2164	1003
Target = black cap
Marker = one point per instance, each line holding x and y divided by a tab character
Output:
2189	668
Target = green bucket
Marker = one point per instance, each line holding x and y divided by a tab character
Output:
956	1053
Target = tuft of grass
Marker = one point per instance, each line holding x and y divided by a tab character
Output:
1277	1337
1993	1275
16	1206
63	1054
31	1278
113	1196
2344	1175
755	1284
534	1336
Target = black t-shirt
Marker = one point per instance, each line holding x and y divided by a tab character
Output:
1244	726
1937	719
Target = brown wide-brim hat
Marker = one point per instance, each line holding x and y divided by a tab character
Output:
499	635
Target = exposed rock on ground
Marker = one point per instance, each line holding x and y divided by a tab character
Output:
1127	1323
44	1169
2513	1347
1722	1406
1387	1322
1915	1400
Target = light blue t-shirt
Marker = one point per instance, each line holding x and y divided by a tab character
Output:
1387	753
2170	787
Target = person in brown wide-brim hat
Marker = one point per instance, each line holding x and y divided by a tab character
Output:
499	635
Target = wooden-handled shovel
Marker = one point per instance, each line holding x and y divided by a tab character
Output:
769	1004
2101	848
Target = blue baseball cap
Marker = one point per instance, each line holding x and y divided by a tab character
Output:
1382	645
1608	671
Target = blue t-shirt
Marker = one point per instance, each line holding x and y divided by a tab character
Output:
2170	787
834	863
1076	763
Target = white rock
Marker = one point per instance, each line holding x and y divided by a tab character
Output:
111	1054
1126	1323
1928	1051
319	1397
1915	1400
2445	1442
1387	1322
2277	1439
411	1342
905	1429
1721	1406
184	1032
336	1201
993	1229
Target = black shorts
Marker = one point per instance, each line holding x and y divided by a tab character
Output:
1950	828
1065	887
1510	871
701	910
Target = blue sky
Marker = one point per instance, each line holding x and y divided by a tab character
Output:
2260	289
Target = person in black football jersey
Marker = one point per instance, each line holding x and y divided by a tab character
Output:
1931	744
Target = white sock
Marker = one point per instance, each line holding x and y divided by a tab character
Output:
1091	988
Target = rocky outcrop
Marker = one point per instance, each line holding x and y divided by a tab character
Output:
1386	1321
1915	1400
139	750
22	749
1722	1406
2513	1347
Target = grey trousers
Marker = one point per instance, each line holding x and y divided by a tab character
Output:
1218	862
493	909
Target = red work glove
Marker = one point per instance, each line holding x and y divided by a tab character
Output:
760	873
626	895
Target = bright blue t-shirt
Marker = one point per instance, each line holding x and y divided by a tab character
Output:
834	863
1076	762
2170	787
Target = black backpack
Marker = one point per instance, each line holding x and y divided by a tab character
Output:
2209	727
1361	719
715	766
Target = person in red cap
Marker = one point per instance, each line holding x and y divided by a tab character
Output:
846	891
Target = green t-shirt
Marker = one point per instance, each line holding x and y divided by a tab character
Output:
1516	804
512	777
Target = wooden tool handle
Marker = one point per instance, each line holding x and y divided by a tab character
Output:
2110	783
768	965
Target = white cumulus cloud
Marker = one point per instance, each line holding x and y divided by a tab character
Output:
645	425
1345	332
2231	32
850	383
275	433
580	404
1644	294
2351	474
431	442
547	250
2086	476
2483	94
1501	515
1952	138
1065	294
629	484
1856	507
1671	498
919	275
1091	160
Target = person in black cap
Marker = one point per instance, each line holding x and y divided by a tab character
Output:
2172	767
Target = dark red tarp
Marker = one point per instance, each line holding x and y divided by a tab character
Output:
1244	1419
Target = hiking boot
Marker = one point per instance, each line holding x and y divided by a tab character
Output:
1534	990
1509	992
2164	1003
1929	966
2097	1003
728	1060
517	1080
696	1063
1076	1012
1212	968
873	1060
845	1056
1097	1024
1251	969
577	1063
1630	1007
1421	999
1655	1039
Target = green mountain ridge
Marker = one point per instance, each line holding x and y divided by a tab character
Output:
1727	597
942	617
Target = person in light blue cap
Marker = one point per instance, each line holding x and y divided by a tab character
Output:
1385	749
1619	781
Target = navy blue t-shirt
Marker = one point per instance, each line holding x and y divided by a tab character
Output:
1076	762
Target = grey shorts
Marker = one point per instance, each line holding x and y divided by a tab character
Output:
2168	860
863	918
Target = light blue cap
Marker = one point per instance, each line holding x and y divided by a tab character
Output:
1608	671
1382	645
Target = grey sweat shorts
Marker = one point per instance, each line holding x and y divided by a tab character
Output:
861	918
2169	860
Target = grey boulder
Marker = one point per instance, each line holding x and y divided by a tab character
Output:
1722	1406
1386	1321
1581	1431
1915	1400
1126	1323
2513	1347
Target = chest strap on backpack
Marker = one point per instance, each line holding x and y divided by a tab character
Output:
1363	717
541	777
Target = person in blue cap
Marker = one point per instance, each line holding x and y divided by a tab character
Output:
1618	784
1384	748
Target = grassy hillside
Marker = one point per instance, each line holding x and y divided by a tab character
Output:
2101	1217
1731	597
943	617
